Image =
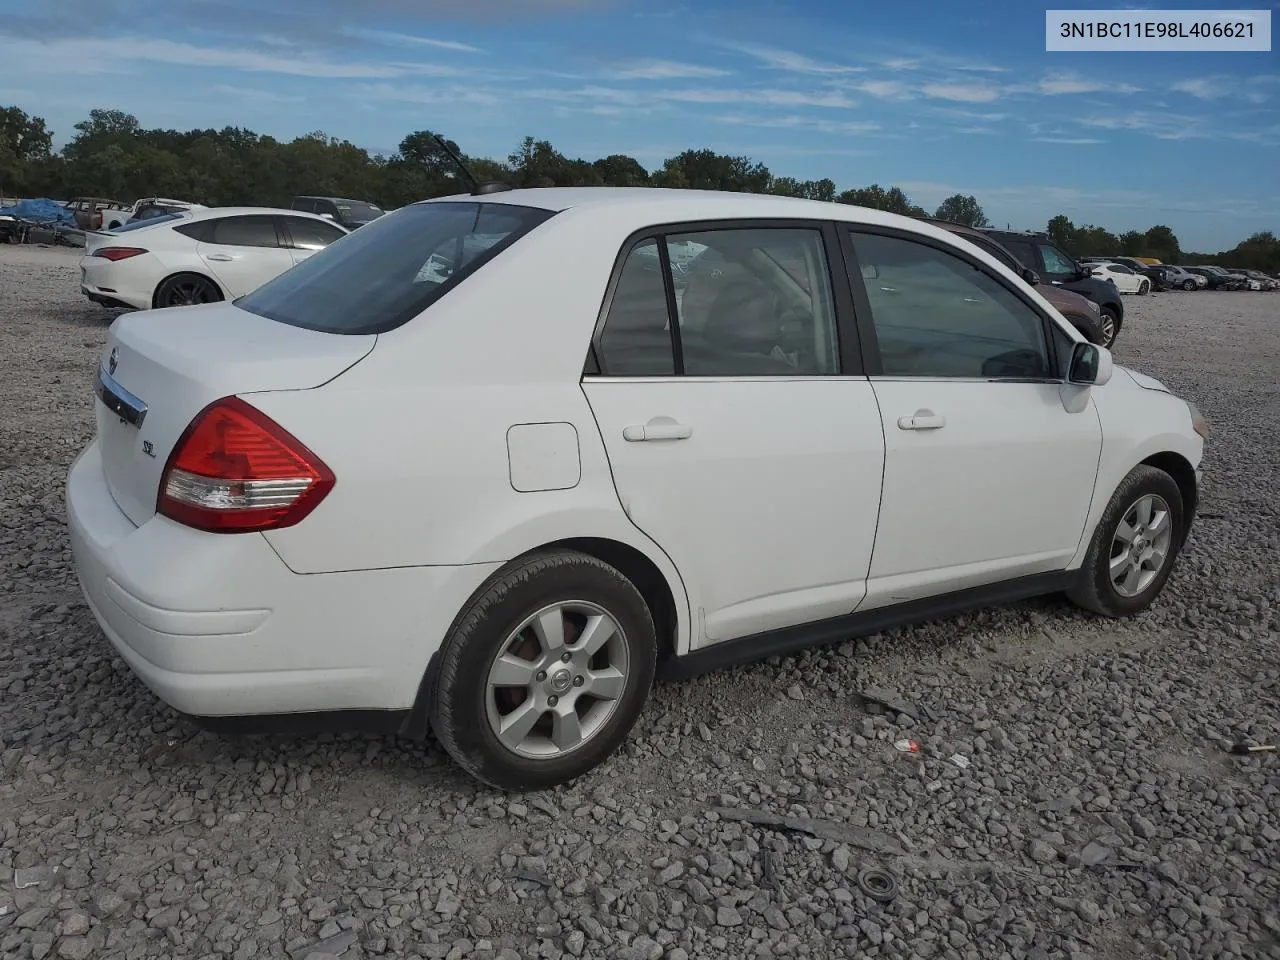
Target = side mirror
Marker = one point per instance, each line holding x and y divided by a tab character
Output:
871	272
1091	365
1030	276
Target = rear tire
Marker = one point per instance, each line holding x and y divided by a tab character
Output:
1109	324
186	289
518	710
1144	288
1119	576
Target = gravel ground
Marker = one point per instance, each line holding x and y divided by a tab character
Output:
1099	815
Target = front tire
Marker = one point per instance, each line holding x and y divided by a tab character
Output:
545	673
1135	545
1188	285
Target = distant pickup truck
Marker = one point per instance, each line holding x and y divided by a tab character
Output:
91	213
147	208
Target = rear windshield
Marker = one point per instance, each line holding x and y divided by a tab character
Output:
357	210
388	272
146	222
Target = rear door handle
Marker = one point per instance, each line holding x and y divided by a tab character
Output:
922	420
659	428
221	257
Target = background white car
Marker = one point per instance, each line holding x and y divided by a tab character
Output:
199	255
1125	279
494	497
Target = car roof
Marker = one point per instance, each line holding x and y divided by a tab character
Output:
211	212
652	205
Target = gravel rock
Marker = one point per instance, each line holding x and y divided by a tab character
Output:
1099	801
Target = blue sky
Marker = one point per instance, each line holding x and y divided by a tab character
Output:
936	98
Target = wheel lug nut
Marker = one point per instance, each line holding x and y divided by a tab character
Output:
565	657
552	700
578	681
542	675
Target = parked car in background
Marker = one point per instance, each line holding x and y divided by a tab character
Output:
198	256
881	425
1183	279
146	208
1265	282
1159	276
91	212
1126	280
350	213
1220	279
1085	315
1054	266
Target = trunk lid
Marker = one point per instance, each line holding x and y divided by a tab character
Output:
170	364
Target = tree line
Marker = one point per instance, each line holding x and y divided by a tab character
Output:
113	155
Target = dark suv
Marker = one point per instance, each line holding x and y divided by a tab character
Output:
1037	251
349	213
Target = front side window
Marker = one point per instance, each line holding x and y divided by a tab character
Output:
249	231
1054	261
749	302
1119	268
936	315
388	272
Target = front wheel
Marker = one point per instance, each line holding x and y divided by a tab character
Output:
545	673
1109	324
1134	546
1188	285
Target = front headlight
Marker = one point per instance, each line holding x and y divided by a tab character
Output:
1198	423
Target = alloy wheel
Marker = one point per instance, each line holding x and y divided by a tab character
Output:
1140	546
188	291
556	680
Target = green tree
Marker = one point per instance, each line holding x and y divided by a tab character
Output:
707	170
619	170
1063	233
877	197
24	142
961	209
1161	242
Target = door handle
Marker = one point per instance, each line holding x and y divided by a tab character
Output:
659	428
221	257
922	420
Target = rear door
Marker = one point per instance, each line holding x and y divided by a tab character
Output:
988	476
243	252
742	437
305	235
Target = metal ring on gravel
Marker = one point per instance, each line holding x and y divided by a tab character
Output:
878	884
557	679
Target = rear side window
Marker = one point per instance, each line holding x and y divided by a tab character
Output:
308	234
250	231
388	272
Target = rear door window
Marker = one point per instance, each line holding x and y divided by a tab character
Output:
254	230
308	234
388	272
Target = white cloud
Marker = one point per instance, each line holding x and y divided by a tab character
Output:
663	70
409	39
1205	88
1160	126
884	89
962	92
819	124
442	96
119	54
1055	84
255	95
1081	141
791	61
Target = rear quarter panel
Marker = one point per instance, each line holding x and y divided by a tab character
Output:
416	433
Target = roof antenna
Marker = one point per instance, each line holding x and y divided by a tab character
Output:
477	188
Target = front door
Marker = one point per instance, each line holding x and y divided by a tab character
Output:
988	475
244	252
736	440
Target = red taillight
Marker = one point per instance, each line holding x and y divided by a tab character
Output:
117	253
234	469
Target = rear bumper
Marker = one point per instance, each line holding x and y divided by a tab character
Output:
217	626
111	285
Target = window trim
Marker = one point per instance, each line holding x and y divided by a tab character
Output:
849	351
867	330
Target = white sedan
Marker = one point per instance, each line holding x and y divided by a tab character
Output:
1126	279
199	255
495	496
